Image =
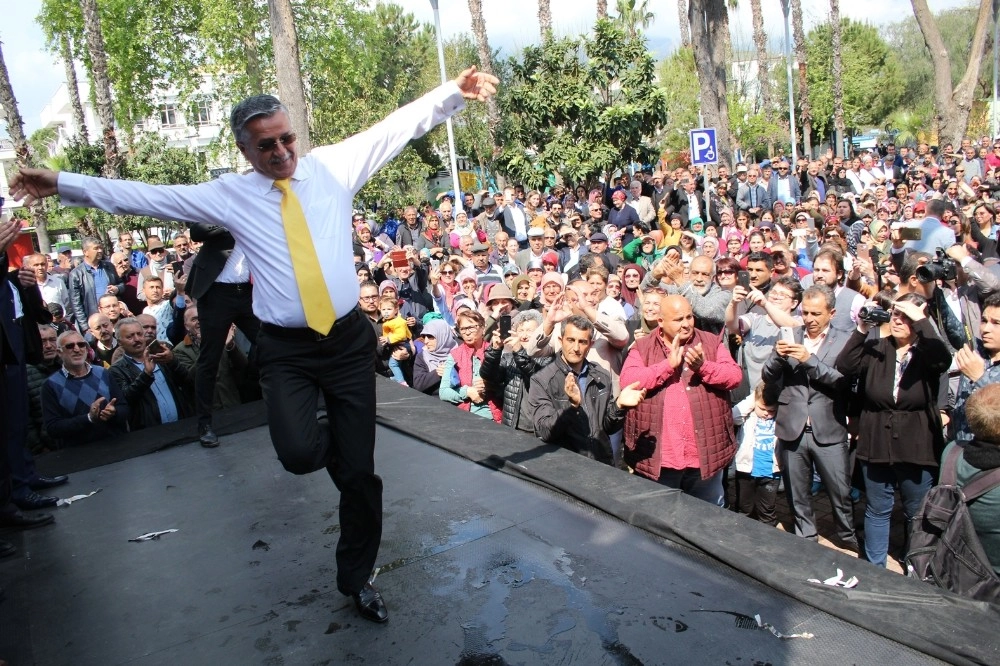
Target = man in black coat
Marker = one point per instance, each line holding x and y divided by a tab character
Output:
219	282
11	357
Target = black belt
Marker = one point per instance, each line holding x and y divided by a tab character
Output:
232	286
307	333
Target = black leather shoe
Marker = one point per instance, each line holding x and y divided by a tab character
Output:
43	482
17	520
33	501
207	437
7	549
370	604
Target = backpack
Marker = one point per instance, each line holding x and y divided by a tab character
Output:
944	547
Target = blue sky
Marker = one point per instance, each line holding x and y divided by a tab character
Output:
36	74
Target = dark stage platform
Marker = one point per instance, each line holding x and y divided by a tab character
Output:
477	566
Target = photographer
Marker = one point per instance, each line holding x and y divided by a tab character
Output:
920	273
900	434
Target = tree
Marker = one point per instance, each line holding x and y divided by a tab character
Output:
678	80
101	87
486	65
838	77
952	105
709	22
73	88
579	107
871	84
763	65
634	15
22	151
544	18
801	54
289	72
682	20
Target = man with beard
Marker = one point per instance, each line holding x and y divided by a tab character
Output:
708	300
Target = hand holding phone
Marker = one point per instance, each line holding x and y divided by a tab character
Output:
505	322
155	347
743	279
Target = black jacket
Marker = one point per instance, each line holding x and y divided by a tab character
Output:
136	385
513	371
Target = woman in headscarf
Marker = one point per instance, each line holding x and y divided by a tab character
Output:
364	272
550	289
437	340
431	236
524	292
469	284
710	247
631	281
880	241
460	381
369	248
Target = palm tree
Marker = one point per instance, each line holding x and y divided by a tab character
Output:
763	70
544	18
805	113
633	15
682	18
485	65
709	21
838	76
22	152
602	9
73	87
102	86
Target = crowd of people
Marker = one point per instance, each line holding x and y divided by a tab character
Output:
816	327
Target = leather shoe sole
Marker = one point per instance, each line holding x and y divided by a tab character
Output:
20	521
370	604
43	482
208	438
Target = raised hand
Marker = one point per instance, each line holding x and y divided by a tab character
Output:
572	390
95	409
676	356
970	363
477	85
631	395
695	357
31	185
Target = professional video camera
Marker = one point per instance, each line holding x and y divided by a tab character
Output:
873	315
941	267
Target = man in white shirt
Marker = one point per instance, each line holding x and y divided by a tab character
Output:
298	360
53	288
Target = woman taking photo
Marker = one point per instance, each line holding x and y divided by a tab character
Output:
460	381
900	433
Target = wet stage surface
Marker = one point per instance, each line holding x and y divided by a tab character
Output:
477	567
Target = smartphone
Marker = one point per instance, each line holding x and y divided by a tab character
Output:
154	347
910	233
787	334
862	249
178	267
800	233
398	258
504	327
743	279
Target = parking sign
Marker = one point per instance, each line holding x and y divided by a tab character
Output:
703	149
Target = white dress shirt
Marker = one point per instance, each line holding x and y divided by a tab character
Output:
249	206
54	290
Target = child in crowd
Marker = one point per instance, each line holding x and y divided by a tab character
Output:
757	471
395	334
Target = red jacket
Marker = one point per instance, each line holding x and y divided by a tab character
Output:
708	396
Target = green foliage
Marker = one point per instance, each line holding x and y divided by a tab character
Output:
872	82
579	107
753	132
957	27
678	79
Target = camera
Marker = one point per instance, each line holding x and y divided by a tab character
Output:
873	315
941	267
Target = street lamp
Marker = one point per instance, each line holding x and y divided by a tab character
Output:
788	63
457	204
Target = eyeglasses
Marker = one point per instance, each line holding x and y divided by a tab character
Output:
469	329
833	236
74	345
727	272
268	144
447	272
368	298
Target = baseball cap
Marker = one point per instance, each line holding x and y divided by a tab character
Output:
511	269
619	194
920	207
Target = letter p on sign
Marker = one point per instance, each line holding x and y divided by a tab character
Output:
703	149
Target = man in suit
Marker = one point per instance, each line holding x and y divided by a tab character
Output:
811	423
515	221
784	186
751	196
685	200
10	357
220	283
94	277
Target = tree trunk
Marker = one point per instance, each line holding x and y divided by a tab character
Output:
602	9
805	112
22	152
544	19
288	71
682	18
485	65
952	106
74	90
838	83
763	68
708	19
102	87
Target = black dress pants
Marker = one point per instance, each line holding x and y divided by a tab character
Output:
294	372
218	309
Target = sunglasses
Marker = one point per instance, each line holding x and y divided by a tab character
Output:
727	272
74	345
447	272
268	144
158	250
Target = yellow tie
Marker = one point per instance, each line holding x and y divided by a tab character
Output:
305	262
